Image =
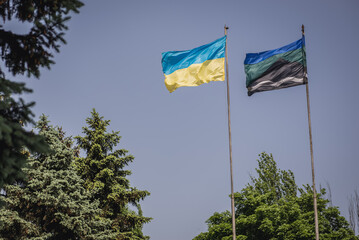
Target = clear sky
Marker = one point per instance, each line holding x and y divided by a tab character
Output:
112	62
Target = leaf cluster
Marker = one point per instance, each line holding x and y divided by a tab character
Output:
25	53
273	207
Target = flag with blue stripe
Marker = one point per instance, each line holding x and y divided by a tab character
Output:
275	69
194	67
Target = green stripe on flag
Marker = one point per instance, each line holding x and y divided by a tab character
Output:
254	71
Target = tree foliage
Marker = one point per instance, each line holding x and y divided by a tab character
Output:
104	174
13	137
26	54
51	202
273	207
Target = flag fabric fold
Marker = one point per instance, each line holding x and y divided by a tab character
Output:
194	67
275	69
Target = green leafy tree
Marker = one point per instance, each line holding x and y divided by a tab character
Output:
26	54
271	208
51	203
104	174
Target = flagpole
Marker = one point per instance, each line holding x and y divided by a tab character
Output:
311	155
230	141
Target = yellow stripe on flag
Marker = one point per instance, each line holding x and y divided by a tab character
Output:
196	74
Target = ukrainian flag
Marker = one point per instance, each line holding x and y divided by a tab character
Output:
194	67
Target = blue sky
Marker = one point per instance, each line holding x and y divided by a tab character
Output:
112	62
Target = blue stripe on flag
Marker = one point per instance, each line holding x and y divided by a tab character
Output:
253	58
175	60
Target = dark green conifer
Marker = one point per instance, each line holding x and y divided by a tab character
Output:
104	174
25	53
51	203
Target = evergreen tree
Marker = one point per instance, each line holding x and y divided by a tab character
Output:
26	54
270	208
13	136
102	170
51	202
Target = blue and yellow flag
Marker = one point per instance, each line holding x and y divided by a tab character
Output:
194	67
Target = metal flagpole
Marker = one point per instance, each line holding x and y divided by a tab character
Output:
230	141
311	155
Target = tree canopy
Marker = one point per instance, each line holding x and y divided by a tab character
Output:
104	174
51	203
26	54
273	207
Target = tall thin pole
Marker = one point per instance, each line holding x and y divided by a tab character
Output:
311	155
230	142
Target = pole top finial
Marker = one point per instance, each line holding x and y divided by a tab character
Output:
225	29
302	29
